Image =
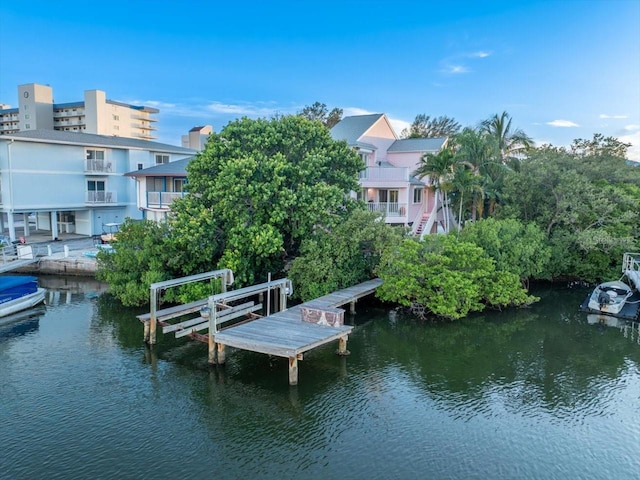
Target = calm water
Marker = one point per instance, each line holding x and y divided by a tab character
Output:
535	393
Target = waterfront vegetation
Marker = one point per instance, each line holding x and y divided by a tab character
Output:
272	196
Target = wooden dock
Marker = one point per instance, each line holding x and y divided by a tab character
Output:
283	333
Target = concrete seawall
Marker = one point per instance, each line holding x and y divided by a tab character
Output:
75	264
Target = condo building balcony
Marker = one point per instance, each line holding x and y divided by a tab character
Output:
162	199
97	166
384	174
101	197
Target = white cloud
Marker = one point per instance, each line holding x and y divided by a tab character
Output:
480	54
455	69
604	115
562	123
351	111
260	109
399	125
633	153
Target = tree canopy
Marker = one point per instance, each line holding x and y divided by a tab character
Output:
258	189
586	202
320	111
343	256
424	126
446	277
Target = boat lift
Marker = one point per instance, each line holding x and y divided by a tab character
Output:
631	268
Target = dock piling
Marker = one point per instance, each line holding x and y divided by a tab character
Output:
342	346
293	370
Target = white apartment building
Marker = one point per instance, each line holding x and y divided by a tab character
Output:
95	114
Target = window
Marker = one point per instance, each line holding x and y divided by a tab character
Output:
27	116
95	154
140	166
95	185
417	195
161	159
27	126
116	117
155	184
178	184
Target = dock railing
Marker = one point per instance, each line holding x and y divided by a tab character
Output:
631	267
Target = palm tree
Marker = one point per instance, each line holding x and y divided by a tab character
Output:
464	181
510	143
439	168
479	152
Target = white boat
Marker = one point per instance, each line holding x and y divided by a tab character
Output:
610	297
18	293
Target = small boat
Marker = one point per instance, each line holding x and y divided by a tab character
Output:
610	297
18	293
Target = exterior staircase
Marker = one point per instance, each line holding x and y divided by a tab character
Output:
423	223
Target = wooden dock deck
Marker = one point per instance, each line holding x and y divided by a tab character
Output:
283	333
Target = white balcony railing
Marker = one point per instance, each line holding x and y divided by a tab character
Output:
390	209
382	174
162	199
97	166
101	196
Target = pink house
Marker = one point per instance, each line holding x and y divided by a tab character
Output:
388	185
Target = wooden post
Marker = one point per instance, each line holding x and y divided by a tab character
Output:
222	358
268	294
293	370
146	331
152	320
211	313
283	298
352	309
342	346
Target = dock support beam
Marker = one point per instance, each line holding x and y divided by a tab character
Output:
146	332
352	307
293	370
342	346
212	349
152	320
222	355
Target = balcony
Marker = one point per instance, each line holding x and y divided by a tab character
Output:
101	197
97	167
389	209
384	174
63	114
162	199
144	118
66	122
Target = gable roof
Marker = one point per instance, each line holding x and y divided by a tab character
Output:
93	140
352	128
418	145
171	169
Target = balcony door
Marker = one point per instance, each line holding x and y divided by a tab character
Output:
390	198
96	190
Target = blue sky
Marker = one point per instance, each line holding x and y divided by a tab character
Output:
562	69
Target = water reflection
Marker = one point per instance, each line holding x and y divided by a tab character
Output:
21	323
520	394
